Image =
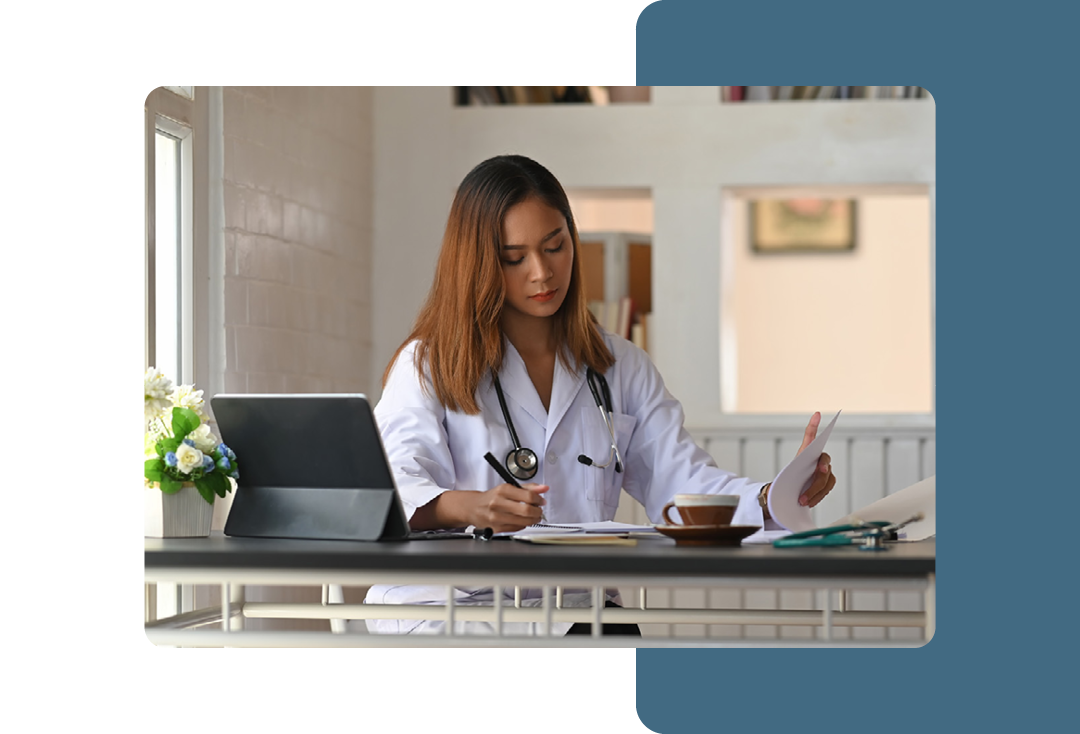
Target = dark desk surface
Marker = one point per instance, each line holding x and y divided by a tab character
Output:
650	556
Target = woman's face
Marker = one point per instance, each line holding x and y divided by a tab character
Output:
537	258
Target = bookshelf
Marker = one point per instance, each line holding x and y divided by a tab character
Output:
486	96
819	93
617	269
685	146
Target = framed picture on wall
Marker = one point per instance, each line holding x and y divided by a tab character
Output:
802	225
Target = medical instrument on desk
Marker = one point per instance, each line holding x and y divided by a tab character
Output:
867	535
522	462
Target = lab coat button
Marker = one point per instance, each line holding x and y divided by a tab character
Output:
552	458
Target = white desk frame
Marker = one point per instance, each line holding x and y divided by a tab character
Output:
190	629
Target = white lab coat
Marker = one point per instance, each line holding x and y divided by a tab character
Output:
432	450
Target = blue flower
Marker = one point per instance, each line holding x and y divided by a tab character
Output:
170	458
225	450
224	464
189	442
207	463
235	473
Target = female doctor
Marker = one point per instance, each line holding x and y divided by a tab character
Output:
506	358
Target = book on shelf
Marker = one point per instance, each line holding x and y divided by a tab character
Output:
758	94
615	316
639	332
481	96
626	313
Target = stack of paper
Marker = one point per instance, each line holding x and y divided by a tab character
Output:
899	506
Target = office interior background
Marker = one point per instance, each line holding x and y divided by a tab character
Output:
292	234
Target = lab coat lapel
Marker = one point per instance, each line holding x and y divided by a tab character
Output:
517	385
564	390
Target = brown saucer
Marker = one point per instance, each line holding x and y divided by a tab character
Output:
730	535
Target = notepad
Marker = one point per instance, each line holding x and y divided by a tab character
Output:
577	539
605	527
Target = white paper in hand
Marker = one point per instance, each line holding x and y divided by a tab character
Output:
793	479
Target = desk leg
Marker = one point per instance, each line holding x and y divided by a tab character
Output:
598	605
450	610
150	603
226	608
929	603
237	597
547	612
827	614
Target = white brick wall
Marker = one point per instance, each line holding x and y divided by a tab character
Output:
298	237
298	198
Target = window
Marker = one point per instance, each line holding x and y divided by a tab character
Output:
169	248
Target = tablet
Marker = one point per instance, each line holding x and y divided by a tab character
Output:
312	466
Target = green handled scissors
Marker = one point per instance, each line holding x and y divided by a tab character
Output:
867	535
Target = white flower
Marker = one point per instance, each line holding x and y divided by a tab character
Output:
188	459
186	396
202	438
158	388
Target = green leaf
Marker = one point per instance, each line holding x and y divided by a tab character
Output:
218	483
166	445
184	421
153	469
170	485
207	492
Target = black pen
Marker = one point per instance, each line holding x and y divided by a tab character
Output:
507	477
501	471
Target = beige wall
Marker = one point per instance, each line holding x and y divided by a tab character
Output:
875	355
849	330
298	234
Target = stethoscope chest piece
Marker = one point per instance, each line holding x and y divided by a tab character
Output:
522	463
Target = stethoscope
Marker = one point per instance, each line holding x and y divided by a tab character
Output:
522	463
867	535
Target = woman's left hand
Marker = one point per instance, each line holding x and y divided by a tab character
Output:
823	480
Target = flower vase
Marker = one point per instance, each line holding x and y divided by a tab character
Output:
184	514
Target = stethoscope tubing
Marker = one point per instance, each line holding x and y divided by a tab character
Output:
604	404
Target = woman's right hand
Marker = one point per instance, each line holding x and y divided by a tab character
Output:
506	508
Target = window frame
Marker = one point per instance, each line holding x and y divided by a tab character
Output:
193	114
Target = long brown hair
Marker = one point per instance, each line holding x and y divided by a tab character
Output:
458	325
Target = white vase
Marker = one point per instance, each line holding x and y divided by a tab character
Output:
184	514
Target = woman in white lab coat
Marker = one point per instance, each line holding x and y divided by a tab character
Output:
507	313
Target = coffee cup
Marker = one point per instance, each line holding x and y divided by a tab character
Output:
702	509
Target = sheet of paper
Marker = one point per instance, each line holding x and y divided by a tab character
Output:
766	536
542	530
899	506
578	539
563	528
784	494
610	526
